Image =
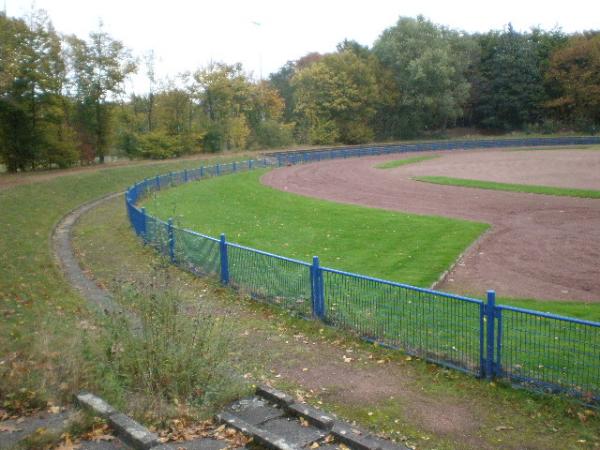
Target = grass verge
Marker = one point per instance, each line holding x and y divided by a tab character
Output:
402	247
403	162
527	188
43	319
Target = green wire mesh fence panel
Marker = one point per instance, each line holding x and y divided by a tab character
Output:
548	351
197	253
157	235
280	281
442	328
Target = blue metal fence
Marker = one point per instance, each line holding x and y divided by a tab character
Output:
536	349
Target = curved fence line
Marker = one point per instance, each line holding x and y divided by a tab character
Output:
555	353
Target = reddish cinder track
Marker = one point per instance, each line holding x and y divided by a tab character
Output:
539	246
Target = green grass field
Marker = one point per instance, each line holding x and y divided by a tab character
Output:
401	247
403	162
527	188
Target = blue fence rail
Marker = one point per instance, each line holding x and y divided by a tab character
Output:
555	353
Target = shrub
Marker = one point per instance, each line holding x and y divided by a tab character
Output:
272	134
157	145
176	352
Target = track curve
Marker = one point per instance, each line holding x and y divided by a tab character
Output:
539	246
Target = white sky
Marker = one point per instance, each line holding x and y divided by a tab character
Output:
188	34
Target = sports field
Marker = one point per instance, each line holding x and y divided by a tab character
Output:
399	246
538	247
385	244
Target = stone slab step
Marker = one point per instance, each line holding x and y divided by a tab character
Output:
276	422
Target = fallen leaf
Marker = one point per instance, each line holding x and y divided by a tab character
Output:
103	437
314	445
304	422
503	427
54	409
8	428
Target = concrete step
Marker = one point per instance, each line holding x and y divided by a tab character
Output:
13	433
276	422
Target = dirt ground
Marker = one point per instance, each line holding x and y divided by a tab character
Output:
539	246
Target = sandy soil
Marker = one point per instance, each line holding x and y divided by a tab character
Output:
539	246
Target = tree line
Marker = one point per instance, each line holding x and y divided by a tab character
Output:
62	98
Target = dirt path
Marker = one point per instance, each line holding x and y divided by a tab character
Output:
539	246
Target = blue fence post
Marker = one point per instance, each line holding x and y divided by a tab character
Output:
234	166
316	291
157	183
201	171
185	176
249	164
171	237
218	169
490	312
144	226
224	260
278	161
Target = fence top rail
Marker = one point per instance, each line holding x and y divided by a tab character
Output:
405	286
272	255
470	142
195	233
549	315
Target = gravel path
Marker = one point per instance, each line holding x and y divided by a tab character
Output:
63	251
539	246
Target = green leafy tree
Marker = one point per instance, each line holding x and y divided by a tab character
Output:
34	128
99	68
335	98
508	88
428	63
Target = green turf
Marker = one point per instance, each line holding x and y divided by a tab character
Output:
577	309
401	247
403	162
532	189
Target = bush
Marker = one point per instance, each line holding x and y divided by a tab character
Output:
272	134
176	352
213	140
324	133
357	133
157	145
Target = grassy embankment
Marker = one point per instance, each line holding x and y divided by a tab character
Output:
43	319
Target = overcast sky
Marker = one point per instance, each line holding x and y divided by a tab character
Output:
263	35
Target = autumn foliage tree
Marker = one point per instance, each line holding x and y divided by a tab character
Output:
575	69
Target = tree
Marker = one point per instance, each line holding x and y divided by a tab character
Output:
428	63
335	98
576	71
34	128
508	88
223	91
99	68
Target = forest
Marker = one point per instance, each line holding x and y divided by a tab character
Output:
63	100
